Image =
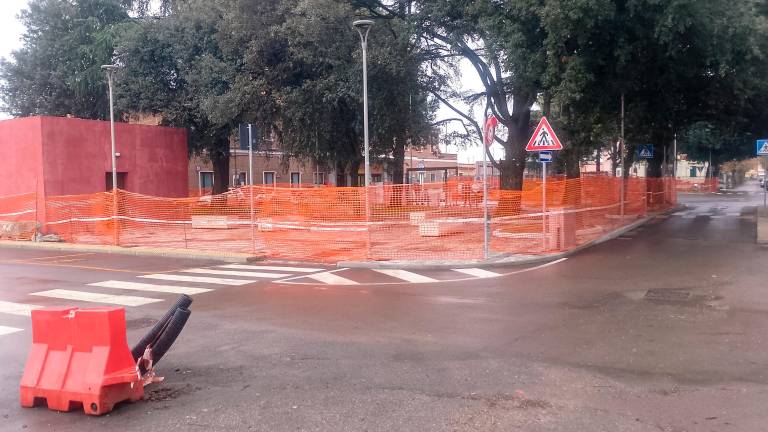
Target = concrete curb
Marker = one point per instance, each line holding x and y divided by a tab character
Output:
137	251
504	260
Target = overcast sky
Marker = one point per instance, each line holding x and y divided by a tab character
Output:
10	39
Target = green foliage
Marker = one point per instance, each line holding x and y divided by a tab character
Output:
57	71
293	67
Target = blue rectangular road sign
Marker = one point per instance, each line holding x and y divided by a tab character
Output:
545	156
645	151
762	147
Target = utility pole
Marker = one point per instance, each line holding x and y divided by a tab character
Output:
109	69
621	158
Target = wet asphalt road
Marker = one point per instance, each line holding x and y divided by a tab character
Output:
579	345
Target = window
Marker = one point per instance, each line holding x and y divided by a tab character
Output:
240	179
375	178
319	178
295	179
206	180
269	177
361	179
694	172
432	177
422	174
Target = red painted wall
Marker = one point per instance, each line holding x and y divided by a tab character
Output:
76	157
20	156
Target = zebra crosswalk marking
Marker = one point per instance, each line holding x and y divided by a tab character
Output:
96	297
199	279
4	330
275	268
17	308
406	275
477	272
236	273
138	286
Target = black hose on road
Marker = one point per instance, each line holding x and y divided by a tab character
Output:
155	332
169	335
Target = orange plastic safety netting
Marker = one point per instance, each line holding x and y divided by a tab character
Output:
697	185
385	222
18	216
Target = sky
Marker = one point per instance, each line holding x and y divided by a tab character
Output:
11	31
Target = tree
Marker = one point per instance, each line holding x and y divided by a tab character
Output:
174	67
683	62
308	65
57	70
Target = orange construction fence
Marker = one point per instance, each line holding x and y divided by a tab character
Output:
697	185
387	222
18	216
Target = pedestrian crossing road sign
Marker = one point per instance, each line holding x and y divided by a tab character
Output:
645	151
544	138
762	147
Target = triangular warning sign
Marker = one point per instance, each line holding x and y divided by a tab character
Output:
764	149
544	138
645	153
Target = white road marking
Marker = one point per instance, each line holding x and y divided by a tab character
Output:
96	297
8	330
200	279
406	275
331	279
137	286
328	276
236	273
17	308
276	268
477	272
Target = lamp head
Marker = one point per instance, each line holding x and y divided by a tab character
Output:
362	24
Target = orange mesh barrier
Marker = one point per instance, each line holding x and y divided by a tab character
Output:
18	215
697	185
384	222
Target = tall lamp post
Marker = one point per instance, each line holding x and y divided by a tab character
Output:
363	27
110	69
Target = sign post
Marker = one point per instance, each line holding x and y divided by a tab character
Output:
246	133
762	150
544	141
545	157
489	134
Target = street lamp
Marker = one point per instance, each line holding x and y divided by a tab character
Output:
110	70
363	27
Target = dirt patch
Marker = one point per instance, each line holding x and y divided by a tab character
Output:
504	400
165	392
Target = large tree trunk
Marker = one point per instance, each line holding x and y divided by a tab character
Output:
513	166
220	162
398	154
354	167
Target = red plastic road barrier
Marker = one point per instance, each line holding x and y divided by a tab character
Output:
80	357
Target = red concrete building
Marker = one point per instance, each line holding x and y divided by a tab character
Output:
66	156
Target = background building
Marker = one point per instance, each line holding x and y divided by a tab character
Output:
67	156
